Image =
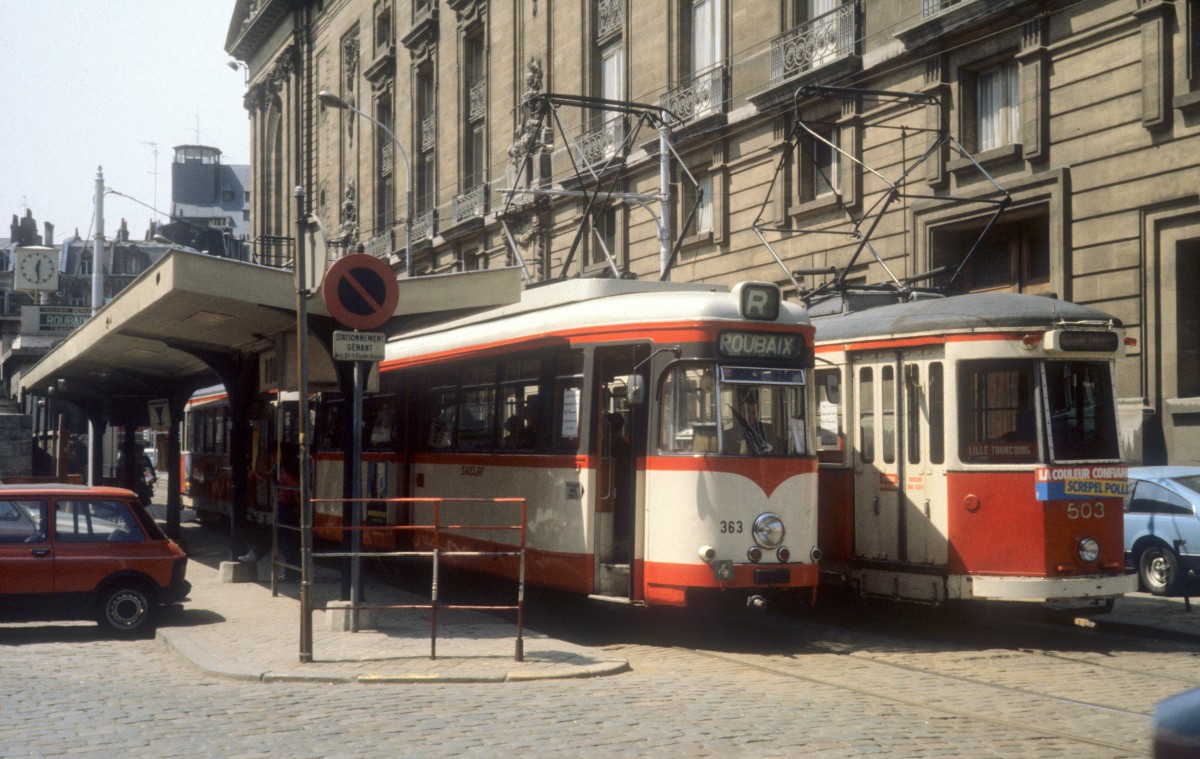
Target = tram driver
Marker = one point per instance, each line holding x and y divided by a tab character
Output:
749	434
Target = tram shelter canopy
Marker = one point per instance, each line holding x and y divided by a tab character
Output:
148	340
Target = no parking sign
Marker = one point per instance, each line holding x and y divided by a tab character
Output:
360	291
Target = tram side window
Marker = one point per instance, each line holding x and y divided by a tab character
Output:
830	437
912	412
998	418
937	414
866	414
442	409
568	401
687	414
380	423
887	408
477	408
519	404
1083	421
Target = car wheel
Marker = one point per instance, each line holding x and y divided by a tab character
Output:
1158	569
125	609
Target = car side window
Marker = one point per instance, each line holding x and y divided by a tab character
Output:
22	521
1149	498
96	522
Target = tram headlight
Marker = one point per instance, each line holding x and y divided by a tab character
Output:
769	530
1089	550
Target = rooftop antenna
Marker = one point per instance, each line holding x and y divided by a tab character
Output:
197	129
155	172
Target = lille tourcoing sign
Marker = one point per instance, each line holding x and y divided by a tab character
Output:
360	291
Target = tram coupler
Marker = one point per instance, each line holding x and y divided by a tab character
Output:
756	602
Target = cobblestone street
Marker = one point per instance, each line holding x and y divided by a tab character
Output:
832	691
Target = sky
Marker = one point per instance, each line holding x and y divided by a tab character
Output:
101	83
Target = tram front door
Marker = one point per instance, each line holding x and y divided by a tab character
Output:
878	519
615	499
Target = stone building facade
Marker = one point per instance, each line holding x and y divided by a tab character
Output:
1086	113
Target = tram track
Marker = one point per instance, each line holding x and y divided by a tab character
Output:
925	704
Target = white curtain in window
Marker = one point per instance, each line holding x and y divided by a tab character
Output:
998	105
612	76
706	34
821	7
704	212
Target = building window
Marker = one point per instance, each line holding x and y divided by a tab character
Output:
1187	319
701	225
706	34
997	103
475	101
1013	257
385	185
825	163
227	196
426	125
383	25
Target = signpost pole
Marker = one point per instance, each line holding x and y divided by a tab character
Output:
306	517
355	494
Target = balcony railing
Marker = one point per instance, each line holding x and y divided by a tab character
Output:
428	132
700	96
934	7
471	204
601	144
478	97
611	15
386	160
815	43
379	246
424	225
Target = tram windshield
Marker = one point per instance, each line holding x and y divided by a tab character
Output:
733	410
1005	405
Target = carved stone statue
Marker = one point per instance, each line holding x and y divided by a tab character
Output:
350	212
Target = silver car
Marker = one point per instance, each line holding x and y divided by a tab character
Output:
1162	530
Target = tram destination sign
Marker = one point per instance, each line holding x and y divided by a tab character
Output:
760	345
358	346
52	320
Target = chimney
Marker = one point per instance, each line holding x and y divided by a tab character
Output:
49	234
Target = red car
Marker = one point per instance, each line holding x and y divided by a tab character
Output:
80	552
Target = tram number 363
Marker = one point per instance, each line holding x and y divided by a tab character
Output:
1085	510
731	526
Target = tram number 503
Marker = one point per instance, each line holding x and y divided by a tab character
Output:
1085	510
730	526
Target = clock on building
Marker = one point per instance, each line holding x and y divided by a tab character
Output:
35	269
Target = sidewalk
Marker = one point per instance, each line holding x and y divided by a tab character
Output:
239	630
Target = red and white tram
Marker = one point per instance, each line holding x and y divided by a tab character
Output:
660	433
969	448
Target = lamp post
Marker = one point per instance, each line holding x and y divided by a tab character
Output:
327	98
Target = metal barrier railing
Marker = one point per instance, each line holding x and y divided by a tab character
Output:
437	529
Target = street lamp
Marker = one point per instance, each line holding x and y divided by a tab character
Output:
327	98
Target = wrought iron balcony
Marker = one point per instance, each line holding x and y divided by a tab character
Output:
424	225
478	97
386	161
601	144
934	7
471	204
700	96
815	43
610	17
429	132
380	246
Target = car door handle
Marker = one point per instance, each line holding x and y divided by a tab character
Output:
40	551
